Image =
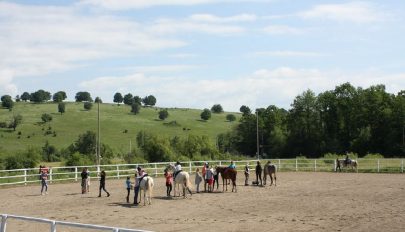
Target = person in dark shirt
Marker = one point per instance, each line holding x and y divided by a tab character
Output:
102	184
259	170
84	175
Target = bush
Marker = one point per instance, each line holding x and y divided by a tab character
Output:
230	117
3	125
77	159
163	114
27	159
88	105
46	118
373	156
206	114
217	108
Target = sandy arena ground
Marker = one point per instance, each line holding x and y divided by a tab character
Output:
300	202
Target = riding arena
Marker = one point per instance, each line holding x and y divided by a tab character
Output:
302	200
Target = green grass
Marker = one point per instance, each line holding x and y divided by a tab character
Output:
114	121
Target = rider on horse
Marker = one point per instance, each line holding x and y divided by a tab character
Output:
177	169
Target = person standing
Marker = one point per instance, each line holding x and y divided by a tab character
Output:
102	184
204	171
198	179
84	176
259	170
169	182
247	173
136	188
128	185
44	184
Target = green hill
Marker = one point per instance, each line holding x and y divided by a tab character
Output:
118	125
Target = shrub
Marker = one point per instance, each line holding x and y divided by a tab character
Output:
230	117
88	105
46	118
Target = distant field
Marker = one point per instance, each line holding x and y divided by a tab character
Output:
114	121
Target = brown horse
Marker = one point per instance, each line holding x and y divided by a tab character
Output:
270	169
227	173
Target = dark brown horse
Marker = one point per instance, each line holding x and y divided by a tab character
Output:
227	174
270	169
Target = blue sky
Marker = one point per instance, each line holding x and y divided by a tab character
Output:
196	53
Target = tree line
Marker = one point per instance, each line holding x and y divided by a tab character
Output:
357	120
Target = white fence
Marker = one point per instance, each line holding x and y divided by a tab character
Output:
57	174
53	224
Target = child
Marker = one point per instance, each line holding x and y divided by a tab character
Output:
209	177
44	177
169	182
128	184
198	179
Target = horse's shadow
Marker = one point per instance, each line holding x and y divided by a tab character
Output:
165	198
122	204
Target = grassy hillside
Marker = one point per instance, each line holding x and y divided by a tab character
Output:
114	121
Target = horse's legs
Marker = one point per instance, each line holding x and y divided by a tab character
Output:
223	184
265	178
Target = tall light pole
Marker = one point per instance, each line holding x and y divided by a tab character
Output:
98	138
257	134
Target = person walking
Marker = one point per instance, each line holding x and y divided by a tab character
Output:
102	184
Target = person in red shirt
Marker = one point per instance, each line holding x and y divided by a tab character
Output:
169	182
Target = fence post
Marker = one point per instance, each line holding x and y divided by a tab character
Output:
156	173
334	164
76	174
53	226
220	163
25	176
3	223
118	171
315	165
189	165
50	175
279	164
402	166
378	165
296	165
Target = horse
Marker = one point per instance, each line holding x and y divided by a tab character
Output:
227	173
183	179
346	164
146	185
270	169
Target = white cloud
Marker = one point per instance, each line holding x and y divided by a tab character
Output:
356	12
160	68
262	88
216	19
282	29
6	83
38	39
172	26
139	4
287	54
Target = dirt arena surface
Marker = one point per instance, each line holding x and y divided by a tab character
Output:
300	202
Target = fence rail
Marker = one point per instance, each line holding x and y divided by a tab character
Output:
53	224
57	174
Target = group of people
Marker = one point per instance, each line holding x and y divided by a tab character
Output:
208	174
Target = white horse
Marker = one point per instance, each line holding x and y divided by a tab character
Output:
146	186
343	164
183	179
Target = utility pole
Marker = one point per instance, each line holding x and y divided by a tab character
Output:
98	138
257	134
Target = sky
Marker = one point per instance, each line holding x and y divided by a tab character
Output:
197	53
